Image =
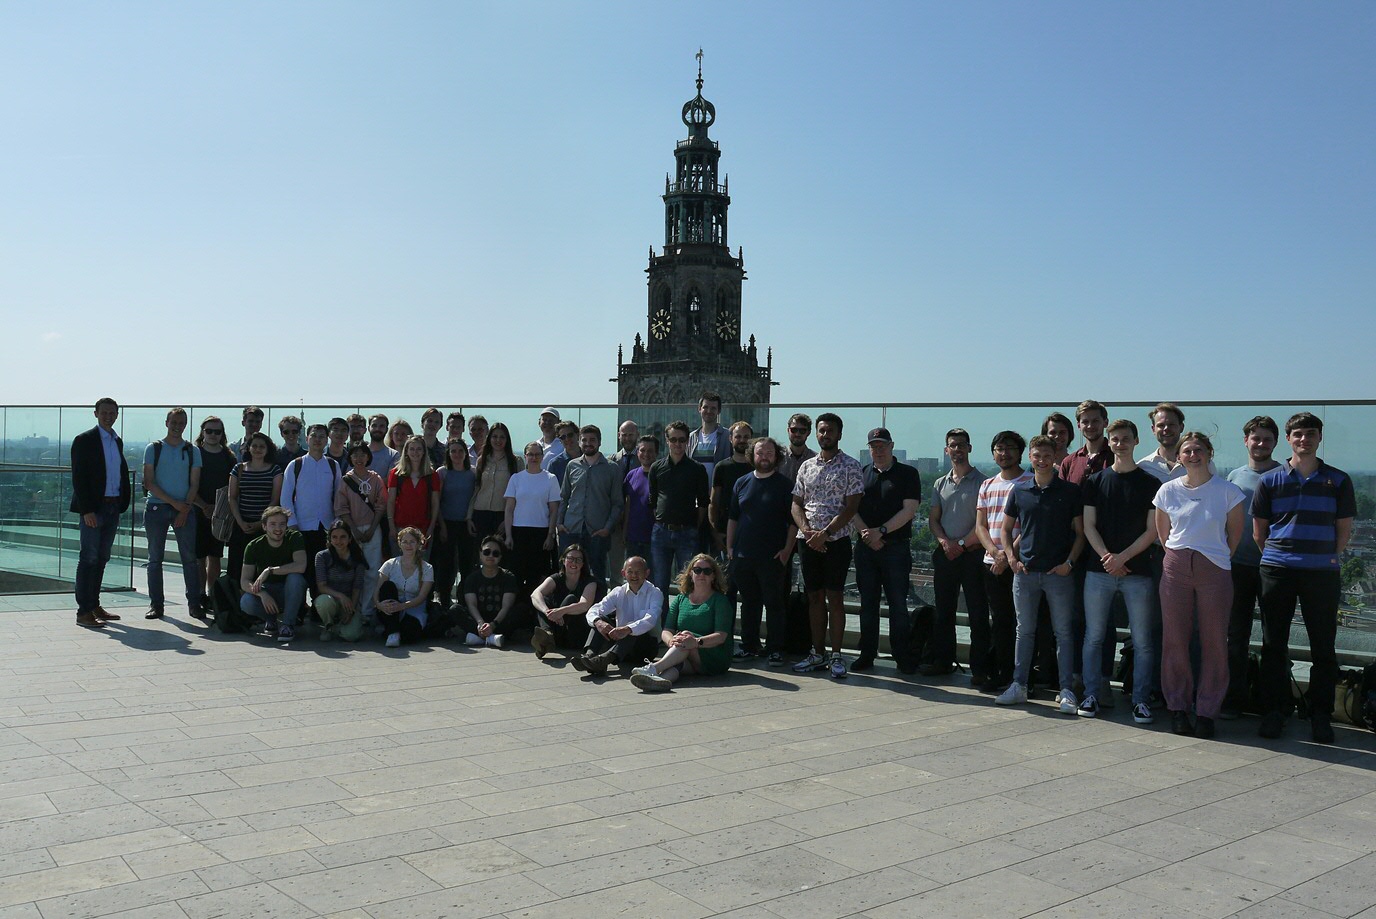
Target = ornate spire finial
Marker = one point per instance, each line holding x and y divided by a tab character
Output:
699	57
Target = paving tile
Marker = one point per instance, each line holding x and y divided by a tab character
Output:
1115	902
260	901
755	878
146	897
851	895
471	901
1278	858
1200	889
1343	891
64	879
879	846
1088	867
968	861
243	846
335	889
607	871
1002	892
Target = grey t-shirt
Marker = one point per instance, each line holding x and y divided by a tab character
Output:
958	502
1246	478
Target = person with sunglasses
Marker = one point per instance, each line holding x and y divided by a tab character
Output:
216	464
679	495
488	611
697	631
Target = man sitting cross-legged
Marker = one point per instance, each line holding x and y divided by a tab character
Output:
623	623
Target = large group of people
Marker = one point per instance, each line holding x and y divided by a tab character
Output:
663	561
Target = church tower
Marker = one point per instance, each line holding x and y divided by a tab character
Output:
693	333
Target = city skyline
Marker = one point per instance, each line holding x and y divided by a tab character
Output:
420	186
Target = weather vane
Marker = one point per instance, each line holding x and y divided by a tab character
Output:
699	57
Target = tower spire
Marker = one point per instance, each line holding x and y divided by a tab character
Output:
699	57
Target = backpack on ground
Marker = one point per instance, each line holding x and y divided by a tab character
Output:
224	602
797	624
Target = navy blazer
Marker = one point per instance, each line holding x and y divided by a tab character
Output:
88	473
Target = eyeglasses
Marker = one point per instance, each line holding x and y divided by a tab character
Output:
491	553
678	440
703	571
799	430
575	559
219	431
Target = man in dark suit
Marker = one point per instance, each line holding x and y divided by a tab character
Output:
101	492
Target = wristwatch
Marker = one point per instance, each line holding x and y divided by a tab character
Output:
961	542
883	531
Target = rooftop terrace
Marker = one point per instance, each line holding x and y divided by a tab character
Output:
158	770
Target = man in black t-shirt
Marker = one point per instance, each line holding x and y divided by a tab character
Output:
1120	526
760	536
883	554
724	477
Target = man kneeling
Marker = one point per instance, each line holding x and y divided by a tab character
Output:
274	575
623	622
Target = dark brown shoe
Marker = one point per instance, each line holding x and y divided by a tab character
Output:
598	663
89	621
153	614
104	615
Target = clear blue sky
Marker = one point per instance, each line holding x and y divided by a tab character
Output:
453	202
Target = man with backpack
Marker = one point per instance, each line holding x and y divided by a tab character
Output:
309	485
171	475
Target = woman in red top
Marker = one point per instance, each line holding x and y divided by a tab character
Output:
413	490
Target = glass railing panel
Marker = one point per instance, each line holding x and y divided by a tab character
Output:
40	537
32	435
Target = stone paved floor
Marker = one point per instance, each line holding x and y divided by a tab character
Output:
157	770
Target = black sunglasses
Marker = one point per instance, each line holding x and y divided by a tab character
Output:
492	553
702	571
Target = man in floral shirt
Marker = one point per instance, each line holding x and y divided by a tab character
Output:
826	495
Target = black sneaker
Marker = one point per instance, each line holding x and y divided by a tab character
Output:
1272	725
1180	724
863	662
1204	727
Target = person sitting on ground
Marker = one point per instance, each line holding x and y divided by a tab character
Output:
340	574
623	623
273	575
403	590
489	612
360	503
562	601
697	631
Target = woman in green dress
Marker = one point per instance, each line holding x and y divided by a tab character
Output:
697	630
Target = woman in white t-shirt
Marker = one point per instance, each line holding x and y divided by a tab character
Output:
403	590
532	504
1200	526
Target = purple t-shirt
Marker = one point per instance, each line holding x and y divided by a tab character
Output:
640	517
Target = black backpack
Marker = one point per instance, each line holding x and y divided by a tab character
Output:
224	601
296	465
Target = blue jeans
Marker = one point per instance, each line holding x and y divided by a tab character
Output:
1059	589
1144	622
157	518
594	550
671	551
96	544
289	594
888	569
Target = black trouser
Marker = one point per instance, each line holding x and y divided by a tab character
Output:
409	626
1317	592
1002	629
949	577
316	540
238	541
1246	590
530	561
761	585
515	620
630	648
450	555
572	632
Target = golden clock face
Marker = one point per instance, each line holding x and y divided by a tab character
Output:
660	324
727	327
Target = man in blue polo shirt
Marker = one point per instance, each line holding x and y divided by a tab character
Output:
1302	518
1049	510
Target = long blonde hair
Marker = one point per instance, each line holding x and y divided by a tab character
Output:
404	461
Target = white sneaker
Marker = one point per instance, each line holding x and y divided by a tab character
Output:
838	667
813	661
472	640
647	670
494	641
1069	704
1015	694
394	640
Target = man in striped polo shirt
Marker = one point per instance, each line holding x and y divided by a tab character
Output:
1302	518
992	642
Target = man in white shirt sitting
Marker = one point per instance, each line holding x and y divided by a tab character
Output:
624	622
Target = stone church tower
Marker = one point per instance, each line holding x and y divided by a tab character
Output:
693	317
